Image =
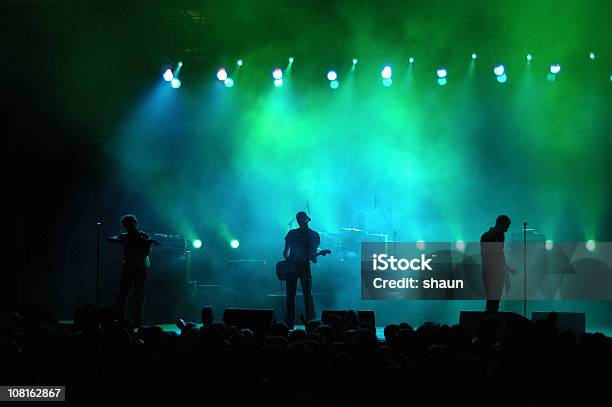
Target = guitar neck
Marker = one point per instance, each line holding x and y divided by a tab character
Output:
322	253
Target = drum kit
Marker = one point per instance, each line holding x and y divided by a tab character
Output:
341	269
347	241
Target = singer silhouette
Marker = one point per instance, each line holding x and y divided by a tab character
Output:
494	267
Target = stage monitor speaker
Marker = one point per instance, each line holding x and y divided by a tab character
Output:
364	316
255	319
566	321
37	313
471	320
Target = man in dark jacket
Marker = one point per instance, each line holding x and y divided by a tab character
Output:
494	267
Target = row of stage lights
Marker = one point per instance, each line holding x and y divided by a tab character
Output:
386	73
197	243
590	245
460	245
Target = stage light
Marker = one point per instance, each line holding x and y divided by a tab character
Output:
290	60
334	84
499	70
549	245
354	61
222	74
411	60
278	83
239	62
197	244
442	81
175	83
386	72
529	57
332	75
387	82
501	78
168	75
551	77
228	82
277	74
441	72
610	78
234	244
590	245
460	245
474	56
555	69
591	55
420	245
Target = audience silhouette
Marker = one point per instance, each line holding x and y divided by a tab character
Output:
341	362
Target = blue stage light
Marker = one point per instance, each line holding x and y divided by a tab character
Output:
591	245
222	74
555	69
386	72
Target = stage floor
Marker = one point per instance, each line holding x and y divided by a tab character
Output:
380	330
380	333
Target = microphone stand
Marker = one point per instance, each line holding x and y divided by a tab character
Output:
98	225
525	269
388	216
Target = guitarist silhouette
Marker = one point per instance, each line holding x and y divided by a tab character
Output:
300	249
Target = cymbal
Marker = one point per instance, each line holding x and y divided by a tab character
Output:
351	230
377	234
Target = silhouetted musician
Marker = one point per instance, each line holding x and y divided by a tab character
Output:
494	267
136	250
300	249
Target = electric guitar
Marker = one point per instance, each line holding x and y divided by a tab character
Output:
285	267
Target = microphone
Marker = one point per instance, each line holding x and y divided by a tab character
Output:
308	206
